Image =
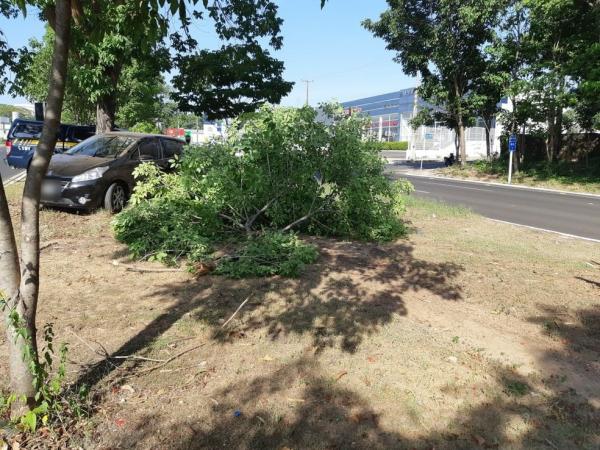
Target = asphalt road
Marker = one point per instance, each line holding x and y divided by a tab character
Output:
394	154
6	172
577	215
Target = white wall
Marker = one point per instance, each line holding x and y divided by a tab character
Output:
434	143
205	134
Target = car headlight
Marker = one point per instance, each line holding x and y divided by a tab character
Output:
89	175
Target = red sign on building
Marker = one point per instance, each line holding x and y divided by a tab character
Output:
175	132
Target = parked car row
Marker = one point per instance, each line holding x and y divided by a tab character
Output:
24	135
96	172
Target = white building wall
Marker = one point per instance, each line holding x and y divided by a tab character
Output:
434	143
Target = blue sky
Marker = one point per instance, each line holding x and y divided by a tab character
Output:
328	46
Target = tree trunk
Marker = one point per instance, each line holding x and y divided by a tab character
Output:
456	146
462	143
550	140
106	108
105	114
25	300
10	278
557	140
488	145
460	123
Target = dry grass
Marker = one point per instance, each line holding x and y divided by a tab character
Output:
471	334
590	184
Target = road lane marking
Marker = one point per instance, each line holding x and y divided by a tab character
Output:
15	178
422	192
574	236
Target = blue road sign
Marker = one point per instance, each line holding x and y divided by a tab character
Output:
512	143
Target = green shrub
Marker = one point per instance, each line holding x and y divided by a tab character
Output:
271	253
401	146
281	170
145	127
493	167
282	162
166	229
56	404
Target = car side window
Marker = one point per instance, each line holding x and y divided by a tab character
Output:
171	148
149	150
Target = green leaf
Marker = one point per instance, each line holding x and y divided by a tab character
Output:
29	421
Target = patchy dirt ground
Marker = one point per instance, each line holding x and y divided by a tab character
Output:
469	334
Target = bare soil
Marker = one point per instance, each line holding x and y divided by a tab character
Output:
468	334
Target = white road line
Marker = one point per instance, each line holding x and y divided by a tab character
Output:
574	236
422	192
15	178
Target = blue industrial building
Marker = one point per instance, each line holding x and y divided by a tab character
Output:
390	121
390	113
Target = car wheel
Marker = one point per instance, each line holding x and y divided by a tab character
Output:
115	198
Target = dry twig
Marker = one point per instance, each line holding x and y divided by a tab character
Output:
236	311
171	359
129	268
141	358
104	353
48	245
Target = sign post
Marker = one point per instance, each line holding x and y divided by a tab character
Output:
512	148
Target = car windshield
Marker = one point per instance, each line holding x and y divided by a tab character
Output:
102	146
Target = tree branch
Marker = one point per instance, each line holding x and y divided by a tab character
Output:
300	220
251	221
236	311
232	220
172	358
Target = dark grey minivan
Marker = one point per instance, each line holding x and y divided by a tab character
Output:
98	172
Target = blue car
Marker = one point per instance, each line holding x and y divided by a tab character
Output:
24	135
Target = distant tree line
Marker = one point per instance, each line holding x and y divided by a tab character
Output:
119	55
544	56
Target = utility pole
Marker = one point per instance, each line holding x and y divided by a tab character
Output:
413	133
307	86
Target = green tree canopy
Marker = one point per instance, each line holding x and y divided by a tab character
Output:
7	110
442	41
10	59
112	35
550	50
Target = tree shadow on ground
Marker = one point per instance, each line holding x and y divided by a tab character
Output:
350	293
516	411
327	415
353	291
578	359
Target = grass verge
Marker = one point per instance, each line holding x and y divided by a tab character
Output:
420	207
566	176
13	191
